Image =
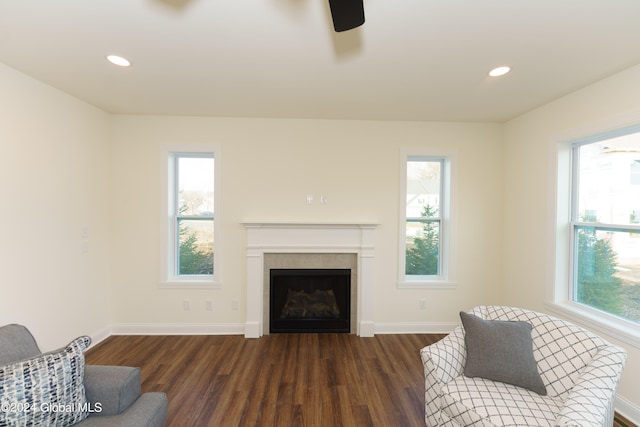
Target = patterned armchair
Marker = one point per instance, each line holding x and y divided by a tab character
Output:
580	372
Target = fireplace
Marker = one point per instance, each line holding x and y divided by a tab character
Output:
309	300
309	245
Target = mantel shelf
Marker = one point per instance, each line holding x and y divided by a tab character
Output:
272	224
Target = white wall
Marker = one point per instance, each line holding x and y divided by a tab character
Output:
269	166
529	173
54	173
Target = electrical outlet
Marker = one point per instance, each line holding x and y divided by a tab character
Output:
235	304
208	305
423	304
186	305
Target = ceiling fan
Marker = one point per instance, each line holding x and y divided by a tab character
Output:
346	14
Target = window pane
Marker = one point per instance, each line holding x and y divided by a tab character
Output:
196	246
423	188
422	248
195	185
609	181
608	271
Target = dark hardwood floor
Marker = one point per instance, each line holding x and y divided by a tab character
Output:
279	380
620	421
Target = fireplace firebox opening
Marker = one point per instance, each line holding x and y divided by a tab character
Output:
309	300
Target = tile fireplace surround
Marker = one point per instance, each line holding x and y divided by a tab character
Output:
304	238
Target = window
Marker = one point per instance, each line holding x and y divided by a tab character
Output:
424	235
635	172
605	237
190	220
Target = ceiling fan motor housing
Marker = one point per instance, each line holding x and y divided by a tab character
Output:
346	14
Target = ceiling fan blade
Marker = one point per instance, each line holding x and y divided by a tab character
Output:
346	14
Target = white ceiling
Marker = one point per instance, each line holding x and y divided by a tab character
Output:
411	60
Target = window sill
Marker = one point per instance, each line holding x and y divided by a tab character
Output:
190	284
426	284
619	329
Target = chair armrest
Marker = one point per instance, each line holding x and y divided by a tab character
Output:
591	399
149	410
442	361
447	356
114	388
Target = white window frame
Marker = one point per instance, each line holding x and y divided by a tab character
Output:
559	295
445	279
169	278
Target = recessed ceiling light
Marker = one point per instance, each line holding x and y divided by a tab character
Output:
500	71
118	60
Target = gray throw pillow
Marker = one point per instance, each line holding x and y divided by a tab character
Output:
501	351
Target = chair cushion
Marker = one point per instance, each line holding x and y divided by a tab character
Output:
501	351
46	390
16	343
482	402
561	349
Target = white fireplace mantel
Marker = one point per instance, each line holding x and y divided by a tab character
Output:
271	237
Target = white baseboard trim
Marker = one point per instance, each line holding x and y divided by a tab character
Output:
240	328
366	329
178	329
415	328
627	409
252	330
100	335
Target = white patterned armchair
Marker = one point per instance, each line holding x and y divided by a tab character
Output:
579	370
